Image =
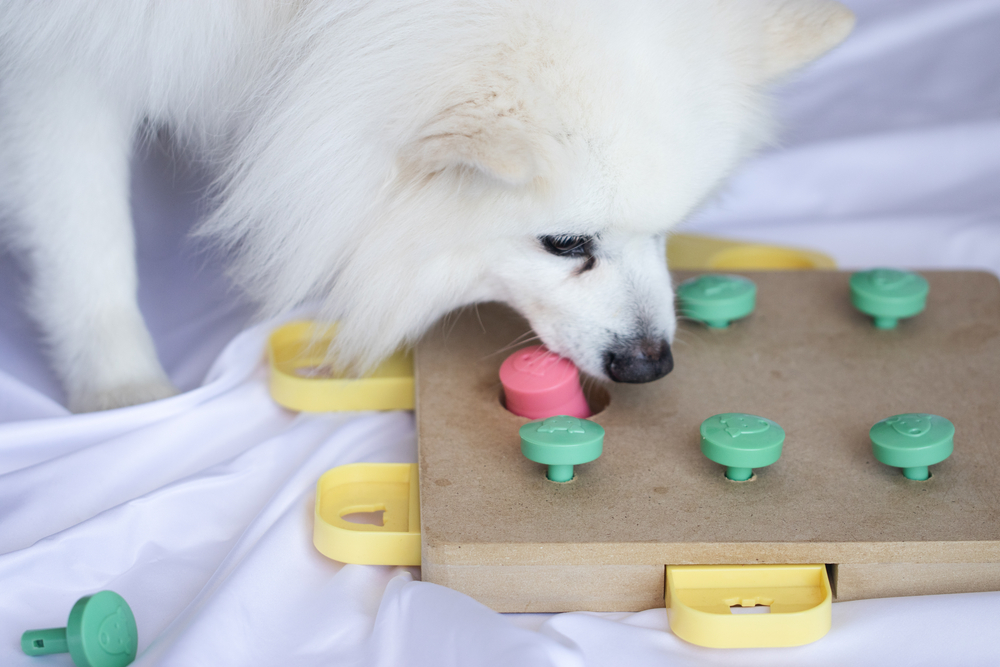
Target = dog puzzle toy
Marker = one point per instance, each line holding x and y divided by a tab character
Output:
819	365
717	299
100	632
562	442
538	383
913	442
888	295
741	442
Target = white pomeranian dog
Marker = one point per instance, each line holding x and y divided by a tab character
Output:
396	159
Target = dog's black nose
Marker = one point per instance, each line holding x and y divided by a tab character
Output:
639	360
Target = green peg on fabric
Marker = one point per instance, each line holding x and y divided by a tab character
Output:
100	632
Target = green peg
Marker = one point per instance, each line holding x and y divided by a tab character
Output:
100	632
717	299
562	442
741	442
913	442
889	295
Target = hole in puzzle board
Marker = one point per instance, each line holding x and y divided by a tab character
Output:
370	518
597	397
757	609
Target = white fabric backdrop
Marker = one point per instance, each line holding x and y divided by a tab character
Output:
198	509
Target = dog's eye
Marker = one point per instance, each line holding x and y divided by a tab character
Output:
569	246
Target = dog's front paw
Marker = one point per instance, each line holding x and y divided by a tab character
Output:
92	400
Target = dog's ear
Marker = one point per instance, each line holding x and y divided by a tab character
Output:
504	147
797	32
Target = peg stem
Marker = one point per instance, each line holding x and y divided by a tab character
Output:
44	642
918	473
560	473
739	474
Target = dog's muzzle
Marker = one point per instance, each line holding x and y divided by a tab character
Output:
639	360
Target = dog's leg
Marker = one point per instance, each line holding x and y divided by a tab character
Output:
65	166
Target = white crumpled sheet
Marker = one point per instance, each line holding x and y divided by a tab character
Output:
198	509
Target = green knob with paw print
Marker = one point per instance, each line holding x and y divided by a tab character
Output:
562	442
913	441
717	299
889	295
741	442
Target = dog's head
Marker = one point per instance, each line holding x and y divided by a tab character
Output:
538	156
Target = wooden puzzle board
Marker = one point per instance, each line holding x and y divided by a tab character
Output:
495	528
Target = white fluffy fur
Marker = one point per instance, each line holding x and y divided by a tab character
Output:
395	158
